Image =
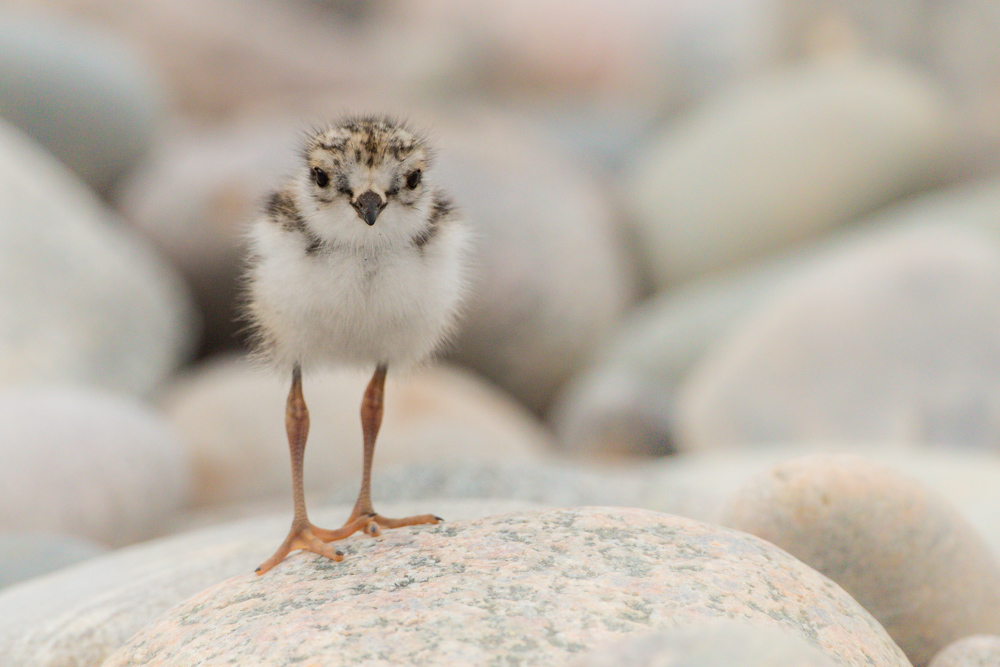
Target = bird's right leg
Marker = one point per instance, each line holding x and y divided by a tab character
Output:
303	535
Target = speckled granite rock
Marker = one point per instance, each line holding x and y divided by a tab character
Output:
720	644
231	416
100	466
904	553
972	651
531	589
892	340
81	614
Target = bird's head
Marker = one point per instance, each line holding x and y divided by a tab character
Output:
366	178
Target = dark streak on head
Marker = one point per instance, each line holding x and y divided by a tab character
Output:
282	209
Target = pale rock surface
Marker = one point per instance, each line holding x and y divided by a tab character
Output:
95	465
80	615
82	298
783	160
79	93
904	553
972	651
231	416
720	644
891	341
531	588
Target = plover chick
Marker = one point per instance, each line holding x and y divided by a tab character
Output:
358	261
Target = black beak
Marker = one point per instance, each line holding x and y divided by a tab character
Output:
368	205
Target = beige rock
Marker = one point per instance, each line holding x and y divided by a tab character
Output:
973	651
231	416
532	588
78	616
699	485
904	553
720	644
782	161
892	340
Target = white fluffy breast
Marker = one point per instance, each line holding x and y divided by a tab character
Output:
350	305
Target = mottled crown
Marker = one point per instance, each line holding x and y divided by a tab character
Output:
367	140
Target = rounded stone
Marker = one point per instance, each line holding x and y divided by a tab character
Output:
543	229
721	644
87	99
903	552
891	340
82	298
533	588
783	160
90	464
698	485
627	400
972	651
231	417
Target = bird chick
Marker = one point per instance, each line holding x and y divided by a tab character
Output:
358	260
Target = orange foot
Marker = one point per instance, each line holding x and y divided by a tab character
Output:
372	523
311	538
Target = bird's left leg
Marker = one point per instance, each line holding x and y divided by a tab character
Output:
371	420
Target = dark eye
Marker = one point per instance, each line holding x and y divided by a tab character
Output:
413	179
321	177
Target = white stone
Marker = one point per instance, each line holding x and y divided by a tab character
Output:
784	160
893	340
90	464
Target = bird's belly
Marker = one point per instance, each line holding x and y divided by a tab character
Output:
359	311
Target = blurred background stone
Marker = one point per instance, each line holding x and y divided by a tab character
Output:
625	402
890	341
904	553
783	160
231	418
28	554
973	651
551	272
82	298
86	463
549	482
84	97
